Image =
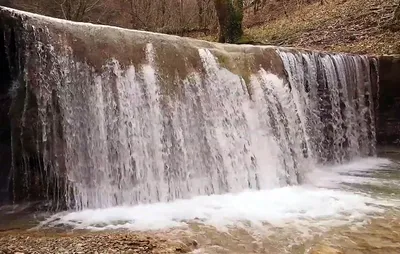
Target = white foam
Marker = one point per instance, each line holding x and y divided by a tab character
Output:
364	164
295	205
357	171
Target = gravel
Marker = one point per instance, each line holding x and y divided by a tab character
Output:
23	242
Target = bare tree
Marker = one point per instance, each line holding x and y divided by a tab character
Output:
396	14
200	7
393	23
168	16
76	10
162	12
138	21
181	16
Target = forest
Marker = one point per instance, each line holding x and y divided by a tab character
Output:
346	25
181	17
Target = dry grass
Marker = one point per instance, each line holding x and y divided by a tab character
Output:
356	26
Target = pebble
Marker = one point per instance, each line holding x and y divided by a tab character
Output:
97	243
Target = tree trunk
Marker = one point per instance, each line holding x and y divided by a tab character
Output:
394	23
132	15
396	16
163	11
181	18
200	14
230	17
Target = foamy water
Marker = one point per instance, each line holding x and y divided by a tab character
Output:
302	206
357	171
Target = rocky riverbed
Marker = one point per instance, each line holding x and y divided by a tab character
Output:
87	242
378	236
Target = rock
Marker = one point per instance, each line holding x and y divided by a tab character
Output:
388	121
182	249
326	250
100	242
195	243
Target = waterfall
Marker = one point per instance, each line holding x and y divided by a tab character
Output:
181	118
334	100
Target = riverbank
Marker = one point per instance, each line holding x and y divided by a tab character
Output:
342	26
49	241
353	26
378	236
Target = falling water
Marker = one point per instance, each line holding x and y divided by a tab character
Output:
125	145
333	97
118	137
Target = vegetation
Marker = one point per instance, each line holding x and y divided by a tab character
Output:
361	26
357	26
395	22
230	17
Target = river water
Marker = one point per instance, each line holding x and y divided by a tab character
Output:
351	208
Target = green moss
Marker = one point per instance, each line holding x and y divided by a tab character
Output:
235	30
240	65
173	65
230	16
223	60
248	39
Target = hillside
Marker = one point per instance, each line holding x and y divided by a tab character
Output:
358	26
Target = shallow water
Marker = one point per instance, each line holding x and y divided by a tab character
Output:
333	212
350	208
368	223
